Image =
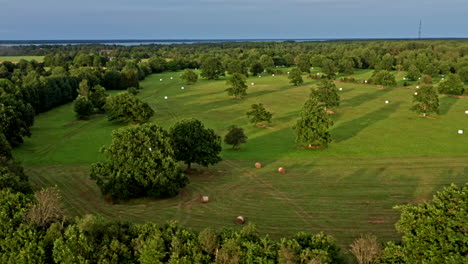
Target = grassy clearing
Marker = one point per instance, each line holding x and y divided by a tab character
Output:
18	58
382	155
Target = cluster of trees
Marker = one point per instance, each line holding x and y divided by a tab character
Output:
143	160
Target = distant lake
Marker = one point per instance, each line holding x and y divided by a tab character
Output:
140	42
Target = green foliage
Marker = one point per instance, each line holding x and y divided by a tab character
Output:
83	107
92	75
346	65
5	148
258	114
189	76
13	207
111	80
413	73
386	63
238	87
126	107
157	64
23	245
237	66
83	89
303	63
139	162
426	79
267	61
295	77
425	100
452	85
128	79
98	96
94	240
212	68
463	73
16	116
327	93
329	67
132	90
235	136
256	68
384	78
12	176
312	127
434	231
193	143
308	248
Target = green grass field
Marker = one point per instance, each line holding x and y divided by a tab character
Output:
382	155
18	58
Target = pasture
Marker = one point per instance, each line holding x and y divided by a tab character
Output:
382	155
18	58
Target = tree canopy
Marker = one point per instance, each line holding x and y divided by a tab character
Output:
212	68
258	113
189	76
452	85
295	76
425	100
313	124
327	93
139	162
237	85
235	136
127	108
434	231
193	143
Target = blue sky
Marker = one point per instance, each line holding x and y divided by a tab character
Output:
231	19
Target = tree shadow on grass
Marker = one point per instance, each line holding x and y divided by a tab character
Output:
446	103
351	128
363	98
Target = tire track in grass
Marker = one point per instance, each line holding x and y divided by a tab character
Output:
298	210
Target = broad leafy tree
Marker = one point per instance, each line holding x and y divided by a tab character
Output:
127	108
258	114
384	78
267	61
140	162
413	73
237	66
189	76
452	85
327	93
98	96
235	136
211	68
256	68
329	67
83	107
193	143
295	77
434	231
303	63
313	124
237	85
425	100
157	64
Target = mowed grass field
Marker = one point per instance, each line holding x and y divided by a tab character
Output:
18	58
382	155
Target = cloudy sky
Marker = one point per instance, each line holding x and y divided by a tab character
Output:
230	19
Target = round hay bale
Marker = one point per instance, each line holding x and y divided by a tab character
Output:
205	199
240	220
281	170
258	165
